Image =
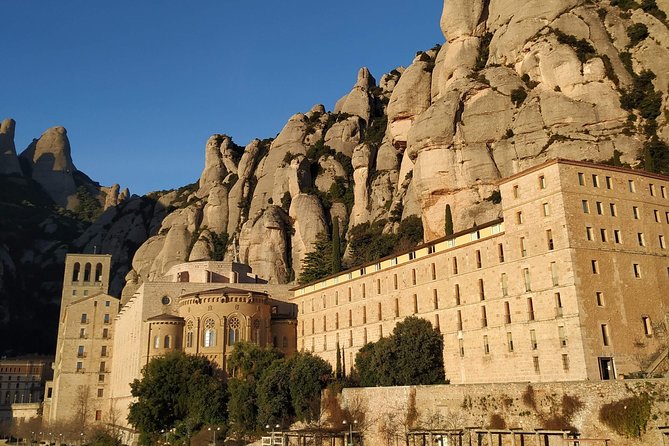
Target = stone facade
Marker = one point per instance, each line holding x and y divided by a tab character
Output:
199	307
22	384
567	285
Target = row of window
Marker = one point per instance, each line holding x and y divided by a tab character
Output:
83	333
613	211
636	268
77	276
618	239
85	319
631	184
81	352
102	368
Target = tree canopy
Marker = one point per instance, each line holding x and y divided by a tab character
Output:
411	355
177	391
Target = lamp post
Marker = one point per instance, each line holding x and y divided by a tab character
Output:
267	426
350	430
214	431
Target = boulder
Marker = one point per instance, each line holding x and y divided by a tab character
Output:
309	220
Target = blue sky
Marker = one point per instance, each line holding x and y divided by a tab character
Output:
141	85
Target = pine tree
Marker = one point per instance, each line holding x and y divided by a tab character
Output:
448	222
336	247
318	262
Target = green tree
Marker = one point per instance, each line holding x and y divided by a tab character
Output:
88	207
448	222
338	368
248	360
102	437
336	247
318	262
411	355
242	408
309	375
273	390
177	391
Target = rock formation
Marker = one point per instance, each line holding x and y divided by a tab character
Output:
9	161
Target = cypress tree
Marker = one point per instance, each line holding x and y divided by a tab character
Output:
448	222
336	247
338	369
343	363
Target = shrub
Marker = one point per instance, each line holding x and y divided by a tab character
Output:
628	416
484	52
584	50
609	70
376	131
650	7
637	32
518	96
624	4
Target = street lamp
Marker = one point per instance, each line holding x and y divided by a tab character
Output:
267	426
350	431
214	430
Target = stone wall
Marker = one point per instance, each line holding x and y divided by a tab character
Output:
505	405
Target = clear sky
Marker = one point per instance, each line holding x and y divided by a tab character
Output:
140	85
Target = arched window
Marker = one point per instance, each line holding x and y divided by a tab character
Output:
209	333
166	342
156	342
98	272
76	269
87	272
189	334
233	330
256	331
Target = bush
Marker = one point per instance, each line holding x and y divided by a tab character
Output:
484	52
650	7
518	96
637	32
624	4
584	50
376	131
628	416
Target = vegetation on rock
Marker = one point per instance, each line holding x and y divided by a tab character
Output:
628	416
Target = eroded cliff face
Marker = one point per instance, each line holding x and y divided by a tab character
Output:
516	83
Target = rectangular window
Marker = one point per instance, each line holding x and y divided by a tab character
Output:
435	299
509	341
101	378
530	309
526	278
613	210
507	313
415	304
651	189
519	217
433	270
500	252
602	233
562	336
378	286
523	247
533	339
647	326
542	182
481	290
455	265
82	333
486	345
589	233
364	314
636	269
505	284
609	184
631	186
565	362
84	318
616	236
586	206
558	305
599	296
80	366
595	266
663	192
98	415
581	179
395	281
549	240
349	294
662	244
546	209
484	317
605	334
478	258
364	291
431	249
516	193
656	213
103	367
101	393
459	320
413	276
635	212
600	208
595	180
397	307
80	352
641	239
103	351
535	360
461	345
106	319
